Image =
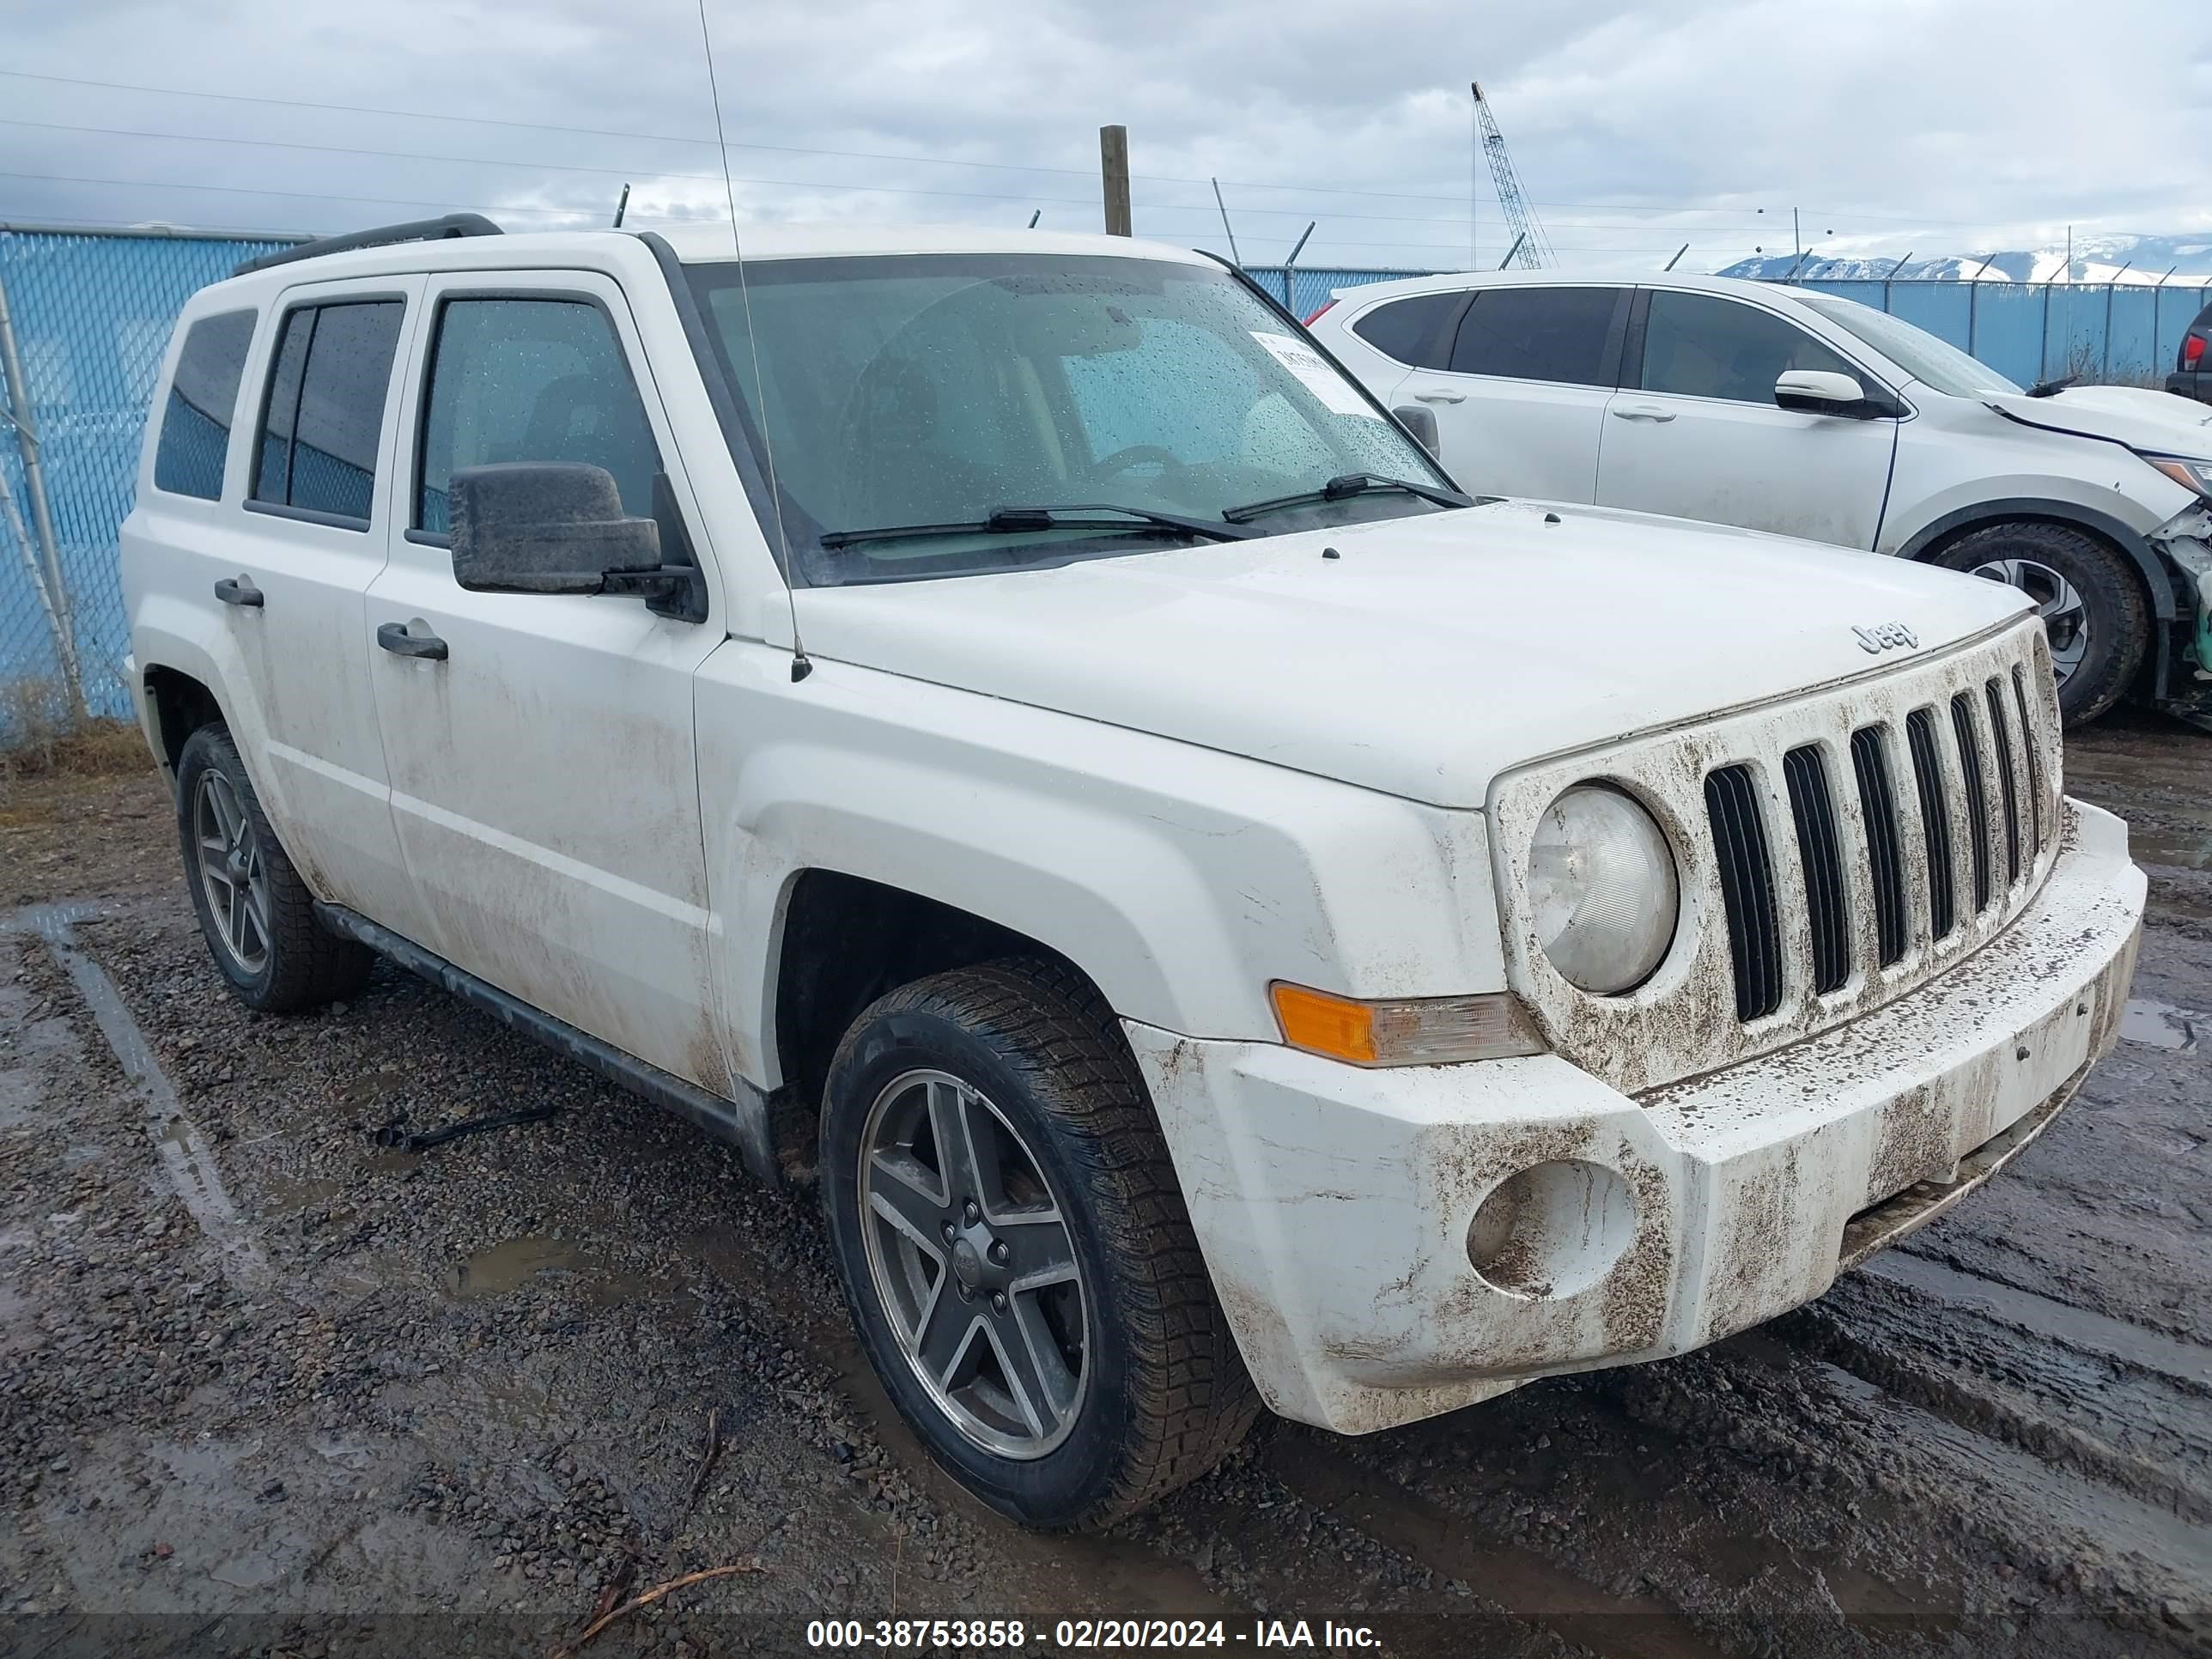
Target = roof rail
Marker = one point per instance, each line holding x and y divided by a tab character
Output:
414	230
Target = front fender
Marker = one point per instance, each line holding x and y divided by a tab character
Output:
1183	881
1916	539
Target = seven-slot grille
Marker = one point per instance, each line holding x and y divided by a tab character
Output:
1976	782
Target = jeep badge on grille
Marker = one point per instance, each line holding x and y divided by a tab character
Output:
1885	637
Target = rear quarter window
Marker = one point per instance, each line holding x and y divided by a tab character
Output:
1561	334
196	417
1416	331
325	412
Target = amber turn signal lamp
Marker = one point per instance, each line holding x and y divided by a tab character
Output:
1406	1030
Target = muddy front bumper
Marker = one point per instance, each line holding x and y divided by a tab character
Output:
1343	1212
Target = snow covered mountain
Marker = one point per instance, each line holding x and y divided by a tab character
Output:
2096	260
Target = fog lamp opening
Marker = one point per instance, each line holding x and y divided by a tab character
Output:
1553	1229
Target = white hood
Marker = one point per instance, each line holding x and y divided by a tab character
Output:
2157	421
1435	652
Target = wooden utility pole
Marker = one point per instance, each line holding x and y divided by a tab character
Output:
1113	176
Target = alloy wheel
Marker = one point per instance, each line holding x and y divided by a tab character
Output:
233	869
973	1262
2065	618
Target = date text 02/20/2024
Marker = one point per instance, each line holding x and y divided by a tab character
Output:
898	1635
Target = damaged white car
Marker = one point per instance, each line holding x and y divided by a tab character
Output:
1775	408
1002	725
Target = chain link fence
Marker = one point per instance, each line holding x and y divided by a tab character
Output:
86	319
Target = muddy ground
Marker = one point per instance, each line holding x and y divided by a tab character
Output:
267	1386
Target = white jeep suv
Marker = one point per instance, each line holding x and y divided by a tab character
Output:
1000	725
1777	409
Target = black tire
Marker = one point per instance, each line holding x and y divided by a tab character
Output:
302	965
1166	1395
2115	609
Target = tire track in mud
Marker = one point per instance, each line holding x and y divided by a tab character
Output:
2133	1560
1524	1582
2129	1408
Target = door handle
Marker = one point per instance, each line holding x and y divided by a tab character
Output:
238	590
395	638
1642	412
1437	394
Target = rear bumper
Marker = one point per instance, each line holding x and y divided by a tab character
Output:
2183	384
1335	1205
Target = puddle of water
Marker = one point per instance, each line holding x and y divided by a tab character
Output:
2161	1026
2188	849
513	1262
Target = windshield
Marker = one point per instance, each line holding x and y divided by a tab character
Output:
1915	351
928	391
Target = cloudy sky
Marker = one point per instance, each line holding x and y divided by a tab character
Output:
1893	125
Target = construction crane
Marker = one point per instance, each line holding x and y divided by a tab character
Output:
1531	249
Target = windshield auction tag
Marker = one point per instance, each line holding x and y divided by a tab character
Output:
1324	382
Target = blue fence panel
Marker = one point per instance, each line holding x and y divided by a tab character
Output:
93	315
1944	309
2130	335
1304	291
1866	292
2075	333
2007	329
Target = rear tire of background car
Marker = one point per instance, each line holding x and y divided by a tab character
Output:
2092	604
257	915
1033	1298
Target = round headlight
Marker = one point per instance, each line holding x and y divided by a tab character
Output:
1603	888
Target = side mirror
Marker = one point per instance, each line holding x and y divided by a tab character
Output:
545	527
1422	423
1822	392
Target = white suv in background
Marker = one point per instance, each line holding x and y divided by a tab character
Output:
1750	403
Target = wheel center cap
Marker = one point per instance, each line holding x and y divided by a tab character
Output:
966	1264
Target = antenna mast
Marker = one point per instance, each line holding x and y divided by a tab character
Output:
1532	249
800	667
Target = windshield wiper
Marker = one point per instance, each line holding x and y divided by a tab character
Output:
1015	520
2052	387
1343	488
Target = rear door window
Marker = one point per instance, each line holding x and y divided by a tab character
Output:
1700	345
528	380
1416	331
325	409
1567	335
188	458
